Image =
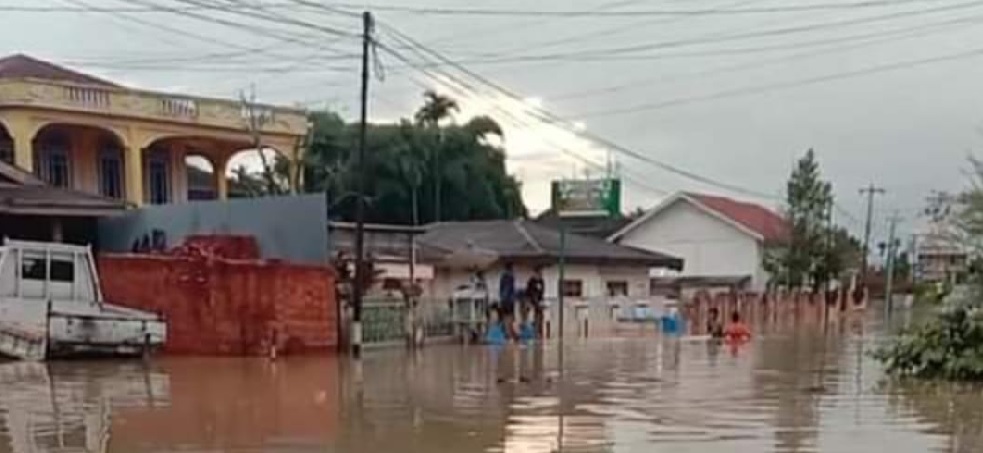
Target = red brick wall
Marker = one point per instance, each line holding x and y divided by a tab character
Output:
218	306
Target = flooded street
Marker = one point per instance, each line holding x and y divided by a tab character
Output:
794	389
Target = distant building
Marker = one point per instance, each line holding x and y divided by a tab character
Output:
719	238
80	132
939	257
595	268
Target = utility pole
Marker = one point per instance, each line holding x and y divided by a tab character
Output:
892	247
870	191
360	175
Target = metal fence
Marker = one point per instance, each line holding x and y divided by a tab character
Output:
384	320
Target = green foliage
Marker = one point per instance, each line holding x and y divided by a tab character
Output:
814	253
414	166
949	347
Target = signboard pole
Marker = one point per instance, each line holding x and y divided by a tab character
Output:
561	278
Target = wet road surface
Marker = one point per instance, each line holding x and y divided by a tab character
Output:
793	389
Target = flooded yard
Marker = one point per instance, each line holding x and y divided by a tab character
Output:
793	389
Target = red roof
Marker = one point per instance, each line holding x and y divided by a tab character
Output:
770	225
21	66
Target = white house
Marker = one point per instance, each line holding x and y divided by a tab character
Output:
717	237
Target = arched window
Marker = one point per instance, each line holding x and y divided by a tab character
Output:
158	177
53	161
111	171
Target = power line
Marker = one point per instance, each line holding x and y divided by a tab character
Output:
464	89
607	52
436	11
554	119
976	52
875	38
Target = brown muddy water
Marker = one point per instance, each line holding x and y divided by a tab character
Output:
794	389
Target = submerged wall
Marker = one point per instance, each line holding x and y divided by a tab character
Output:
222	306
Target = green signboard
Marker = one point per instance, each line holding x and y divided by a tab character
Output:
586	197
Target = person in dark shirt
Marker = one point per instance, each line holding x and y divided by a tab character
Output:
715	327
506	298
535	290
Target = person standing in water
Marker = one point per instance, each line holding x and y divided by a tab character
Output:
715	327
737	332
506	299
535	289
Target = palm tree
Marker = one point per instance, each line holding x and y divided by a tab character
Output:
436	107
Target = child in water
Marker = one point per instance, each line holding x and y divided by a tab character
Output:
715	327
737	332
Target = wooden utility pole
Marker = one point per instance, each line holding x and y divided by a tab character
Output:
358	290
891	248
870	191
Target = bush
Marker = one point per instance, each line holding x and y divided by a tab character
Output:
948	347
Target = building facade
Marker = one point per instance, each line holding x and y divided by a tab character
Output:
81	132
717	237
594	270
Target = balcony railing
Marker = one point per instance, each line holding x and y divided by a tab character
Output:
149	105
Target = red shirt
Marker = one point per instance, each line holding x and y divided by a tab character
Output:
737	332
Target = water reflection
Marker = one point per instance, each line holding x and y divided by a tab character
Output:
795	389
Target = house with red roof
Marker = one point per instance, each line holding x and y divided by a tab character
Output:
718	238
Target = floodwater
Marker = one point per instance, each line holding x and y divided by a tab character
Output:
794	389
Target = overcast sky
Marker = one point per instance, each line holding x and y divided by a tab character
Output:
885	93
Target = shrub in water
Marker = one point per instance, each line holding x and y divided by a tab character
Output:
949	347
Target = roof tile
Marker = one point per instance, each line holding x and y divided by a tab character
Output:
770	225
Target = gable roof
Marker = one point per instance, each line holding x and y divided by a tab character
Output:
523	240
22	66
755	220
21	193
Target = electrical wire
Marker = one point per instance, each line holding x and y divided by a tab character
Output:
765	88
865	41
553	119
435	11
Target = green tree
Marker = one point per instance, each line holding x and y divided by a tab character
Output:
405	174
814	253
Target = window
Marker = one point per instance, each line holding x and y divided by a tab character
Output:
158	178
617	288
62	271
53	163
573	288
33	269
111	172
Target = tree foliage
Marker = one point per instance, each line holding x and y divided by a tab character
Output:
950	345
946	348
414	164
815	252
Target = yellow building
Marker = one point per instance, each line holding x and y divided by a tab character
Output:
80	132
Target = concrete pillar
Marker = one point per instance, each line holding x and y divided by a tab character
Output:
221	182
21	129
219	159
134	175
23	151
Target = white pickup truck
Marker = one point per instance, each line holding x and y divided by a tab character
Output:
51	306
